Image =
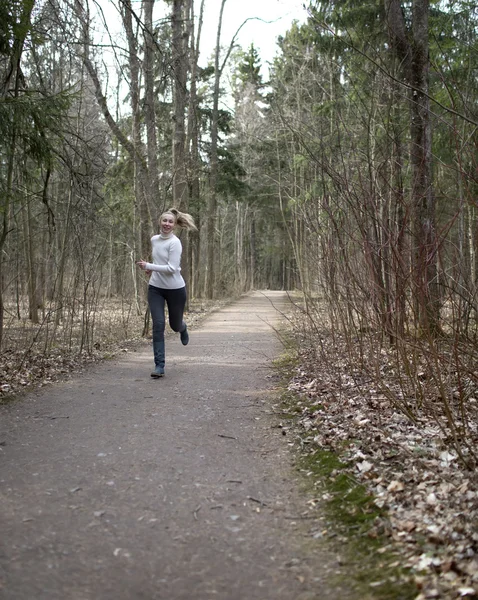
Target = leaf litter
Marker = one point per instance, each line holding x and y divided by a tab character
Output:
429	495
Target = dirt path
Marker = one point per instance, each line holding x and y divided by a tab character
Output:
117	486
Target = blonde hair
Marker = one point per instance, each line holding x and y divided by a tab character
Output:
183	220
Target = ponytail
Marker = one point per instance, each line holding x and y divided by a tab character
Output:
183	220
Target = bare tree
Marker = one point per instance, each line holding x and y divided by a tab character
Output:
135	146
413	52
10	85
212	198
192	145
149	103
180	33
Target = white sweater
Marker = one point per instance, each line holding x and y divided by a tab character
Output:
166	265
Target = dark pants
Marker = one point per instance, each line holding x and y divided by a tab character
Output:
176	301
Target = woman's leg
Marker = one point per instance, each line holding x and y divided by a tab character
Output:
156	306
176	300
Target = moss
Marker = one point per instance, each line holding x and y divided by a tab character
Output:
7	399
284	365
351	515
346	501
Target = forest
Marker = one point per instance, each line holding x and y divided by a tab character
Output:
349	179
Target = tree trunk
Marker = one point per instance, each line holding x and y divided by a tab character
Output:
134	148
212	200
149	109
30	264
426	263
192	145
180	61
141	172
13	74
412	51
181	19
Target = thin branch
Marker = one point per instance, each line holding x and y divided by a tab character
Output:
392	77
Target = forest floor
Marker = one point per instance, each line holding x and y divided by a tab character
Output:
87	507
419	472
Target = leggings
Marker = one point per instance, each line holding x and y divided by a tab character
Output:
176	301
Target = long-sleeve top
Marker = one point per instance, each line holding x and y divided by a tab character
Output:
166	266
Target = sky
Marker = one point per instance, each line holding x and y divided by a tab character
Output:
277	17
267	19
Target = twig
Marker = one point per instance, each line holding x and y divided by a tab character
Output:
256	500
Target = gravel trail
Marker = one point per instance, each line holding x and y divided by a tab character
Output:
117	486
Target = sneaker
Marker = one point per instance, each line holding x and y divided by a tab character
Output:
158	372
185	337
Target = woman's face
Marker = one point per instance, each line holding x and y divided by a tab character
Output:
167	223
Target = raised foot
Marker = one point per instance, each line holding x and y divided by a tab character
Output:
185	337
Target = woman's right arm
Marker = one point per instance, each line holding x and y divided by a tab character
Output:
142	264
174	260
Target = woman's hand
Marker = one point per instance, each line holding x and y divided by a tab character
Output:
142	264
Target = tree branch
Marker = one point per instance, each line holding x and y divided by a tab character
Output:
404	84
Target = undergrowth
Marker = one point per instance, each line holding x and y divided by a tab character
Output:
354	524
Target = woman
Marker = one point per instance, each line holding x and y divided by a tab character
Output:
166	283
